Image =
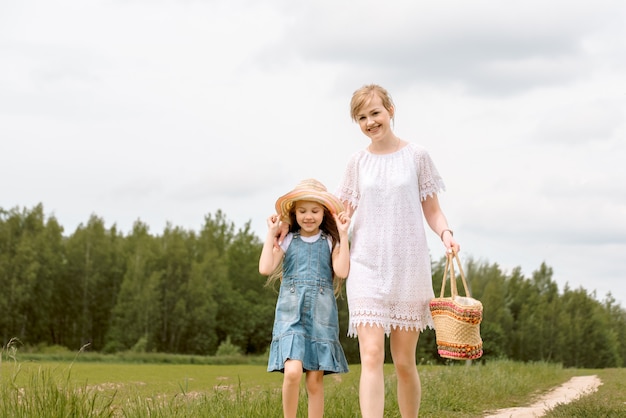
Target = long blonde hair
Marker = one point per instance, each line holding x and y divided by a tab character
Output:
329	227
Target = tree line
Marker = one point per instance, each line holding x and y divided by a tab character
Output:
187	292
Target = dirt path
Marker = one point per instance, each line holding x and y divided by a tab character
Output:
572	389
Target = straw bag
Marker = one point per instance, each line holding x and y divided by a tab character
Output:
457	318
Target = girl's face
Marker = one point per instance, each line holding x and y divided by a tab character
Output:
309	215
374	119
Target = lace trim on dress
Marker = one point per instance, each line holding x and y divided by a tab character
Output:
347	195
388	326
430	181
408	316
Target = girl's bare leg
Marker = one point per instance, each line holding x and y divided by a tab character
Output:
315	391
291	387
403	345
372	382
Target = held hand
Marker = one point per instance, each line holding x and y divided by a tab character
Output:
343	221
281	233
272	223
349	209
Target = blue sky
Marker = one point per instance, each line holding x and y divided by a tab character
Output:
166	111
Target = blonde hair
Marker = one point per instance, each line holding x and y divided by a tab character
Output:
363	95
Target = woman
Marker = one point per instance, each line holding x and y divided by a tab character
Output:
387	188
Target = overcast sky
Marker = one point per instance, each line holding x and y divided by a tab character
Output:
166	111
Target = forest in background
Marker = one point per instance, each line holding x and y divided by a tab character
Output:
188	292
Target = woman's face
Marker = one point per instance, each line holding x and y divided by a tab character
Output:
309	215
374	120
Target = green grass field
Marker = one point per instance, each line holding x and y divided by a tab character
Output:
61	389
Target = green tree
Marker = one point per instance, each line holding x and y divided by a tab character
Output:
30	256
253	329
173	274
547	310
589	340
19	268
201	336
95	272
134	316
488	284
617	318
520	302
43	305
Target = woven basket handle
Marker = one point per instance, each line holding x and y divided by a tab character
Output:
450	257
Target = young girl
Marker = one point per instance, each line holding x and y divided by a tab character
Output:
306	327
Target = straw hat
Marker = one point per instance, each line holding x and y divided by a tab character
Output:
309	189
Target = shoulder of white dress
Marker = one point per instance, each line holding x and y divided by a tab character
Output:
416	147
419	152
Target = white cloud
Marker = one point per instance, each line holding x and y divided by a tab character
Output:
168	111
490	48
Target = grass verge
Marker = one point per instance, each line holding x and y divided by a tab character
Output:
140	389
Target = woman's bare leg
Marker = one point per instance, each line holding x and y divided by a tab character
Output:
403	345
372	382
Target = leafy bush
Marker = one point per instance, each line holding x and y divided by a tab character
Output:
227	349
140	345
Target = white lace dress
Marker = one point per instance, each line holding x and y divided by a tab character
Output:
390	282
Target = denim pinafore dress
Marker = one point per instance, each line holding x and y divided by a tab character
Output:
306	327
